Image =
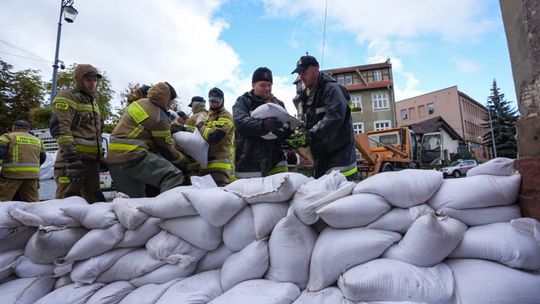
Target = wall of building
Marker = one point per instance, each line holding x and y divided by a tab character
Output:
367	114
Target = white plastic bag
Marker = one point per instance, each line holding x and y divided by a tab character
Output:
272	110
193	144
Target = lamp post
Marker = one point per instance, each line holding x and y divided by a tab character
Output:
70	13
492	135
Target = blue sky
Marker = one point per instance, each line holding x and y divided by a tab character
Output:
199	44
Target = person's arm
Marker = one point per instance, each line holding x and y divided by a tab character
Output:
162	137
335	105
4	142
245	124
64	109
218	130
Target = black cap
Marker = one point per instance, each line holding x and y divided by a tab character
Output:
144	90
262	74
92	74
215	94
182	114
173	91
304	62
196	99
21	123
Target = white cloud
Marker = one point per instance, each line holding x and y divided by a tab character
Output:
467	66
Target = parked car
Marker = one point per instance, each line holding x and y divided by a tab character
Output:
459	167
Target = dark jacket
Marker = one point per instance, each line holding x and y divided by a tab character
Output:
329	125
253	153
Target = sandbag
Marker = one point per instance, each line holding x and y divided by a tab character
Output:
170	204
193	144
27	290
260	292
96	242
272	110
86	272
147	294
502	243
132	265
215	205
111	294
8	224
48	244
62	281
477	192
247	264
128	212
354	210
399	219
483	216
392	280
168	247
47	213
271	189
486	282
198	289
405	188
139	237
501	166
214	259
240	230
24	268
337	250
70	294
194	230
290	248
7	260
266	215
429	241
317	193
92	216
164	274
17	240
330	295
46	170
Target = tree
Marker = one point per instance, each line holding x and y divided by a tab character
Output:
504	118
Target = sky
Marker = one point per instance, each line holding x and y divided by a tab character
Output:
199	44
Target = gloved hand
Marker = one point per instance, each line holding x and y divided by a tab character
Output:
283	132
200	120
298	140
69	153
271	124
190	129
75	170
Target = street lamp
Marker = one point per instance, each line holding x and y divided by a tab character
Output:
492	135
70	13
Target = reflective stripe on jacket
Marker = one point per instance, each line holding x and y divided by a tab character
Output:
218	131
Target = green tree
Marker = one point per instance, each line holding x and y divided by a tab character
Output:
504	118
20	93
40	117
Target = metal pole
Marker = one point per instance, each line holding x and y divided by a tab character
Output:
55	65
492	135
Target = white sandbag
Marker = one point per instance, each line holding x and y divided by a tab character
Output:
139	237
272	110
392	280
62	281
26	291
317	193
502	243
399	219
49	244
483	216
290	248
170	204
194	230
7	260
247	264
70	294
405	188
46	170
354	210
266	216
96	242
24	268
86	272
168	247
274	188
214	259
429	241
130	266
92	216
337	250
47	213
164	274
486	282
17	240
8	223
193	144
147	294
203	182
330	295
260	292
477	192
128	212
215	205
198	289
112	293
501	166
240	230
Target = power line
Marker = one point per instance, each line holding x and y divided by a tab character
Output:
21	49
35	59
324	34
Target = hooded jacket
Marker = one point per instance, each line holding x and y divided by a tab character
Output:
144	128
24	155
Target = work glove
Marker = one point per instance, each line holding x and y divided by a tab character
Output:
75	170
199	121
271	124
297	140
69	153
190	129
283	132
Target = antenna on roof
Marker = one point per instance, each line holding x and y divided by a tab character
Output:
324	33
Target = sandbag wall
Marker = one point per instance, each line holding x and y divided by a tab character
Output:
406	236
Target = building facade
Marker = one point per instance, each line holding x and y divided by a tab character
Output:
372	93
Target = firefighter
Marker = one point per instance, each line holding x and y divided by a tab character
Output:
329	128
218	130
21	155
141	149
77	125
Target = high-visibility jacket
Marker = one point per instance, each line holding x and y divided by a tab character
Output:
144	128
197	111
23	155
218	131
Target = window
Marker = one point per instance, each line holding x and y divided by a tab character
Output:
341	79
380	101
348	79
430	108
358	127
357	103
404	114
381	125
421	111
412	113
377	75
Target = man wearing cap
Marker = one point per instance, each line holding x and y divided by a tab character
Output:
141	149
198	108
328	121
76	124
21	155
179	123
218	130
255	156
